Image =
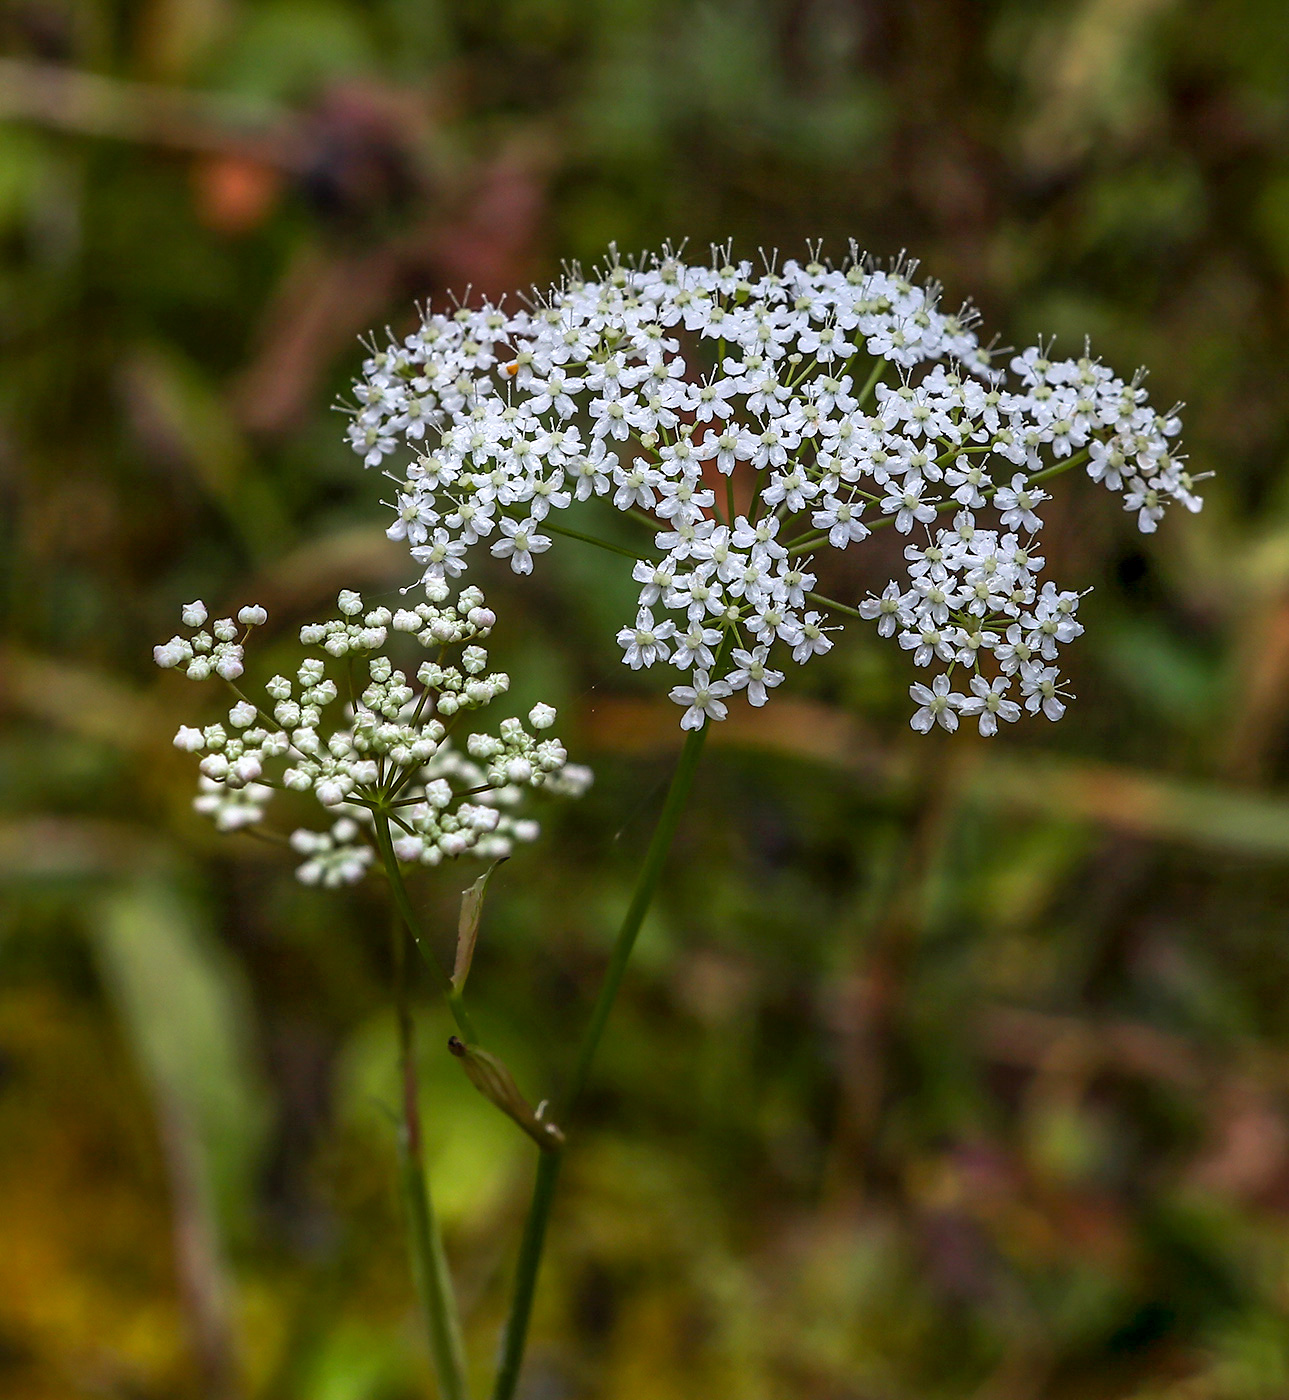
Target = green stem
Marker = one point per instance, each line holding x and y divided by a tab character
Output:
646	883
385	844
871	382
643	518
526	1270
835	605
548	1164
1074	460
429	1260
592	539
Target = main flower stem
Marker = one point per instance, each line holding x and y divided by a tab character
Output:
429	1261
385	845
548	1163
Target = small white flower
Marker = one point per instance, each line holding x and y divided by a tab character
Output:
988	701
1040	685
752	673
889	611
646	642
519	542
702	700
938	705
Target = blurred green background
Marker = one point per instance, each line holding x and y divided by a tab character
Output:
945	1069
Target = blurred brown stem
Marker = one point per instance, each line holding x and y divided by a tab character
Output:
199	1260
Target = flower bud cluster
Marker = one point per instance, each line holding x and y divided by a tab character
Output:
335	857
388	750
747	418
219	652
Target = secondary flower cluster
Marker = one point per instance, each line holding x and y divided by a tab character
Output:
387	751
747	419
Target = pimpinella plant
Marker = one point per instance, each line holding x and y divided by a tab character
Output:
405	776
746	419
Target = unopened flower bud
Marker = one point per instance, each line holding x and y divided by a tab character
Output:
331	791
438	793
194	614
171	653
247	768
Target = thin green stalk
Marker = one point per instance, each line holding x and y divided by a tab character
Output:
526	1270
871	382
385	844
429	1261
835	605
548	1164
644	518
1074	460
646	884
592	539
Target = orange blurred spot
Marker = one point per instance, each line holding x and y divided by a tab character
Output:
234	194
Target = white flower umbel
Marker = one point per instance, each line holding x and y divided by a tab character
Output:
396	747
747	418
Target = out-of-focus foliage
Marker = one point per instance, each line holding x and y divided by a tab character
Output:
945	1069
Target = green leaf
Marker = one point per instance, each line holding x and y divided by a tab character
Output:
185	1011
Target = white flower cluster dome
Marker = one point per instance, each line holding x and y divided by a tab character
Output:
746	419
390	749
